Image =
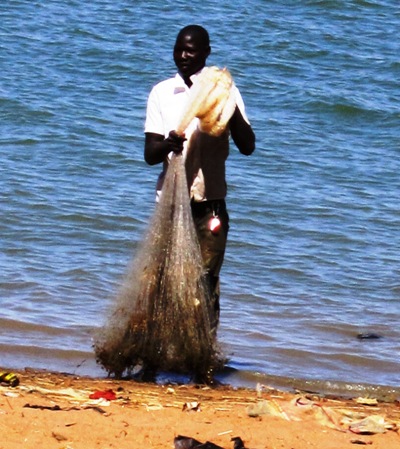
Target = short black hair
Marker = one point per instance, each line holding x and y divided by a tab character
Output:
198	32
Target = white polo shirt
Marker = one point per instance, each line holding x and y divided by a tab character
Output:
205	160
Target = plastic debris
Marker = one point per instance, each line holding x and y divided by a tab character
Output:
58	436
182	442
237	443
342	419
265	407
68	393
191	406
154	407
10	379
367	401
328	417
44	407
108	395
369	425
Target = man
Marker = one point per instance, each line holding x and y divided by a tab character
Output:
205	162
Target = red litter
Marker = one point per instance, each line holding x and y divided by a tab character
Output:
109	395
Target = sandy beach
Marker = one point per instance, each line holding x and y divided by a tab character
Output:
54	410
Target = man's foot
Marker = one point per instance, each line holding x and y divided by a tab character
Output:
206	378
147	374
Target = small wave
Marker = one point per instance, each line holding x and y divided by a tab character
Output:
15	326
340	108
68	361
325	387
23	142
46	353
19	112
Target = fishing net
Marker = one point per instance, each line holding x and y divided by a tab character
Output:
161	317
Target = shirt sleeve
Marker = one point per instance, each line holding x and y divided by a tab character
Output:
240	104
154	122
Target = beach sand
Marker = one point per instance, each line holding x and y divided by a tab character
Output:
53	410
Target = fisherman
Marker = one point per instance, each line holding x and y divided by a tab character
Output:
205	162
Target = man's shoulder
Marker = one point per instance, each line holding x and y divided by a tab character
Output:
169	83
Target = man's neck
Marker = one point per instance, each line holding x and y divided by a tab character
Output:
188	79
188	82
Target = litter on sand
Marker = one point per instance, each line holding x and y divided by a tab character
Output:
342	419
7	378
182	442
108	395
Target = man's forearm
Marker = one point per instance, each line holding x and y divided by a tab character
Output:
155	152
242	133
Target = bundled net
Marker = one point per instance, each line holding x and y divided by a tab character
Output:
161	317
212	100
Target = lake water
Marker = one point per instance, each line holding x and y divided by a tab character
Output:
313	255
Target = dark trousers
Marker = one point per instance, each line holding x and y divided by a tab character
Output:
212	248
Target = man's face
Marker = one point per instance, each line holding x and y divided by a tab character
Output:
190	55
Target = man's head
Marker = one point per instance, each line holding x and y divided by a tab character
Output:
191	50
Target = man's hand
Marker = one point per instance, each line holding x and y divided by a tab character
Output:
156	148
175	142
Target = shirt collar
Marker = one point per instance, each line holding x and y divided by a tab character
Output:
180	85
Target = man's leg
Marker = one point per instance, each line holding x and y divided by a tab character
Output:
212	246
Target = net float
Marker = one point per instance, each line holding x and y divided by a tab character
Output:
215	225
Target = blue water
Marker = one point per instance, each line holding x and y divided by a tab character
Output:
313	255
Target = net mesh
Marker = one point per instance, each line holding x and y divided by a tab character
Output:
160	318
